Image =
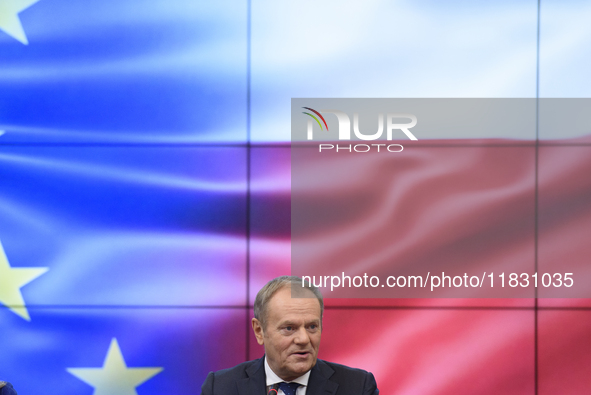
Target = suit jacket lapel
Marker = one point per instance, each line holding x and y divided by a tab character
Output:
254	384
319	383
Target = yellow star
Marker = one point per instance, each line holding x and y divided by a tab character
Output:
9	20
11	281
114	377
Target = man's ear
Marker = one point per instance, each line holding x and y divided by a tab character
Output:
258	331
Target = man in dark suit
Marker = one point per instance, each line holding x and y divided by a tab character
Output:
6	388
288	323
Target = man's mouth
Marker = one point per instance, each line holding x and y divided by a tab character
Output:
301	353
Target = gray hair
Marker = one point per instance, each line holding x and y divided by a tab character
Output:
266	293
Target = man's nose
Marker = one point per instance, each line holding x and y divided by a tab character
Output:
301	336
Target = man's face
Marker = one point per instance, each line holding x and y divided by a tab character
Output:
292	334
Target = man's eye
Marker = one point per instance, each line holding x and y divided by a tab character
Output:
313	327
288	328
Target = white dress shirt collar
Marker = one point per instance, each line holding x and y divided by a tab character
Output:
272	378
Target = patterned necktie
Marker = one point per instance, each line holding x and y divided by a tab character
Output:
288	388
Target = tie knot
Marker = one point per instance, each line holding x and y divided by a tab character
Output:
288	388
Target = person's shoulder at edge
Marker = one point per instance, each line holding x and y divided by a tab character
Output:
6	388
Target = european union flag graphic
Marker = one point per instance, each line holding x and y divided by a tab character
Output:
9	20
11	280
112	242
114	377
122	194
117	71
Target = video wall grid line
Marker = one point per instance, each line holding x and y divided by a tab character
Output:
343	307
536	170
517	143
248	175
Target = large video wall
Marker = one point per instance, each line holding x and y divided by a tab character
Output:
145	188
